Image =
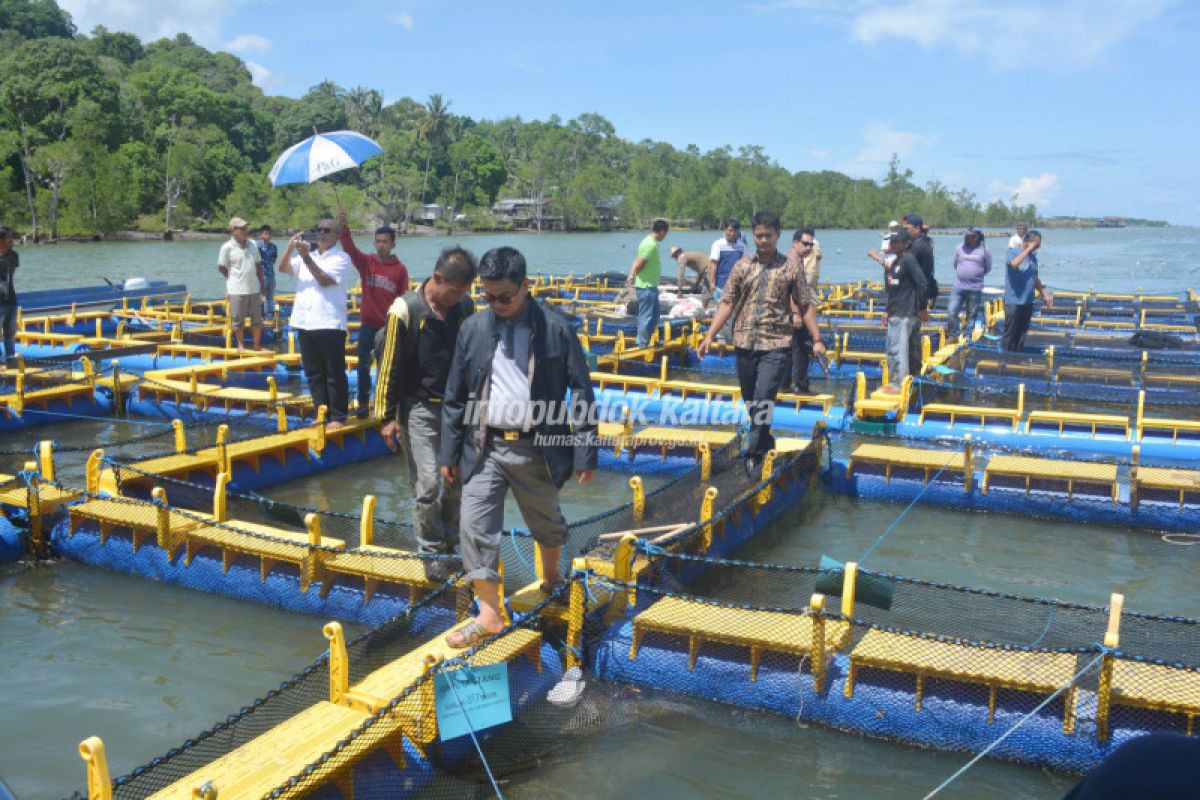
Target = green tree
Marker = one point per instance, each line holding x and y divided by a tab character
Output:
432	130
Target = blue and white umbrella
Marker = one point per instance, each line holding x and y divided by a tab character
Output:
322	154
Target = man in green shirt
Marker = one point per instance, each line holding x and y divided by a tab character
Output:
643	276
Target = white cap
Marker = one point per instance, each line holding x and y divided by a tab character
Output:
893	224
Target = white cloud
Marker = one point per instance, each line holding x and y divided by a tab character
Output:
260	75
403	20
880	143
1070	34
1037	189
250	44
155	19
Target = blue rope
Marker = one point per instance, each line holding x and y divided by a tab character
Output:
92	419
530	567
470	727
1019	723
1045	630
903	513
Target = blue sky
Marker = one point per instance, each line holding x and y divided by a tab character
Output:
1085	107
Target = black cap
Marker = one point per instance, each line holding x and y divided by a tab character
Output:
973	231
914	219
899	236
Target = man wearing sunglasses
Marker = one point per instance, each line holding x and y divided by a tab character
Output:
319	315
507	424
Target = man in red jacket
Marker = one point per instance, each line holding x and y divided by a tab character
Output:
384	278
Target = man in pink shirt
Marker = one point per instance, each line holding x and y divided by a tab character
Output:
384	278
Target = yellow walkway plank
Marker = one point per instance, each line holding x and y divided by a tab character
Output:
952	413
892	456
268	761
377	689
1157	687
1065	421
1183	481
50	498
760	631
376	564
819	402
669	439
262	542
1022	670
1072	473
143	520
647	383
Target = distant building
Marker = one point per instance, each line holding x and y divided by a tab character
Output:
430	213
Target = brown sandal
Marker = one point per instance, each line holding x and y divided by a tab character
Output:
468	635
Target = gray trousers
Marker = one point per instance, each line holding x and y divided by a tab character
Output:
435	502
516	465
899	346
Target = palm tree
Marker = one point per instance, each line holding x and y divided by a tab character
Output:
432	128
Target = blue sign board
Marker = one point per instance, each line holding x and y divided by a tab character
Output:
471	699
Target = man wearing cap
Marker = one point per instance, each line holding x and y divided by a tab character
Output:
922	250
884	254
904	282
644	275
972	262
695	262
240	262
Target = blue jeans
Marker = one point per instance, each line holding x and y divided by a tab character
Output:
8	324
899	341
366	349
269	295
648	313
960	300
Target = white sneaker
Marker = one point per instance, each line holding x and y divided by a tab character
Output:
568	690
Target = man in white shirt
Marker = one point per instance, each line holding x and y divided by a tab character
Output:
241	263
1017	240
319	315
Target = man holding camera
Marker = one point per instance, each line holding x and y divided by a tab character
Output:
322	271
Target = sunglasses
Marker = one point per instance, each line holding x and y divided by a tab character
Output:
501	299
323	230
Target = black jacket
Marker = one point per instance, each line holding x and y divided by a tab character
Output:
415	349
922	249
559	365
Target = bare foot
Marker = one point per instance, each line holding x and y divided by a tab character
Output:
335	425
890	389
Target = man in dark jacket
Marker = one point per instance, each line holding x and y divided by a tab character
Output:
416	347
507	424
922	250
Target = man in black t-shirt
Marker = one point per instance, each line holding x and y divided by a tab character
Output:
9	261
906	287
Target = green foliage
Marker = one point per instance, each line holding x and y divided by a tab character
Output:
103	131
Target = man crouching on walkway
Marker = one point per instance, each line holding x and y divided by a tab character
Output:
416	348
505	426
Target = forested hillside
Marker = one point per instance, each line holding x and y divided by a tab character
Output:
102	132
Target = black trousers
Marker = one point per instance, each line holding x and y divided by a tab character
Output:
760	374
323	356
801	355
1016	325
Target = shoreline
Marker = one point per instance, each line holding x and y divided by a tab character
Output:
419	232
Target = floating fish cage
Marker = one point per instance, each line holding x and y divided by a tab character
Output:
1085	426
